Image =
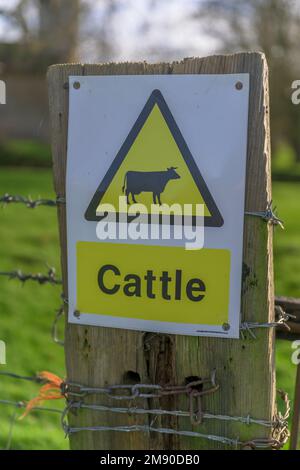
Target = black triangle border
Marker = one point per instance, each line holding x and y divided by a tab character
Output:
156	97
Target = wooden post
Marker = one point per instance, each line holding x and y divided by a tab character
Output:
244	368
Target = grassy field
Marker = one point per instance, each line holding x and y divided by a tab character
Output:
29	239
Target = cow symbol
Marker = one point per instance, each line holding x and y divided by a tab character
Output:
155	182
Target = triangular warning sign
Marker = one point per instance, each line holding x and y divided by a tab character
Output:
155	166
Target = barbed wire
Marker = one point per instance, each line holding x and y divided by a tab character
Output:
236	443
269	215
29	202
180	413
40	278
76	393
195	389
282	319
32	378
54	328
280	433
14	417
22	404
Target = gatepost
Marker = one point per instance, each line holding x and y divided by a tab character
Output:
143	316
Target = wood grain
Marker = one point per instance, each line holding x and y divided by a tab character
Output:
245	368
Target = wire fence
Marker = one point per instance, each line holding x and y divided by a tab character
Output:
75	393
50	277
29	202
18	405
285	320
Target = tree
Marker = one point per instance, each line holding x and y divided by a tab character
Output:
47	27
272	26
58	27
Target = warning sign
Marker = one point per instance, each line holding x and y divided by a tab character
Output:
155	166
138	144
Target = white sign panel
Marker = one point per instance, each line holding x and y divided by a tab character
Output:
155	202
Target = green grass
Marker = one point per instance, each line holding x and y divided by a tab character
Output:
28	153
287	271
29	238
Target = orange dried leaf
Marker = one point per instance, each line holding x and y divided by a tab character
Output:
49	391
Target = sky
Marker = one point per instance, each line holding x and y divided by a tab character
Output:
140	30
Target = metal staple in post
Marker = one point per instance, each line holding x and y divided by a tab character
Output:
282	319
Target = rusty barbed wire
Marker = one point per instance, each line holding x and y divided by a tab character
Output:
31	203
196	387
279	424
280	432
40	278
195	390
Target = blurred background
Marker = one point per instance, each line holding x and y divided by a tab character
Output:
37	33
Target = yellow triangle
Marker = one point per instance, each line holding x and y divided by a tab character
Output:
155	149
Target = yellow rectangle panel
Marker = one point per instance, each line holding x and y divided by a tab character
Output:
166	284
